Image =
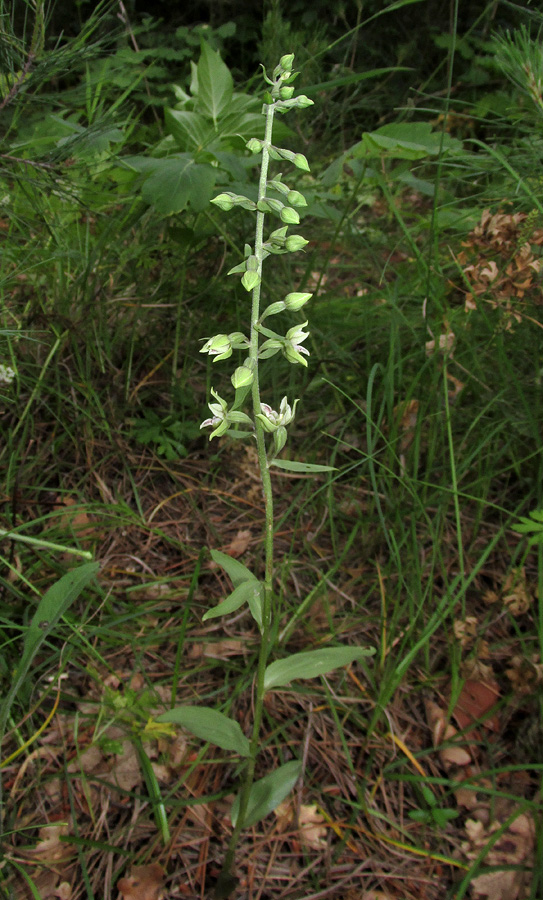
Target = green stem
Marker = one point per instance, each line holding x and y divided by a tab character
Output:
225	881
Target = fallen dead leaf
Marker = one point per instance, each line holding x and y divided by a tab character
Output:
70	519
525	674
239	544
218	649
143	883
312	829
50	849
516	595
475	701
443	731
515	847
465	631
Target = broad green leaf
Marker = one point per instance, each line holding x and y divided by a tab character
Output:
215	84
268	793
293	466
406	140
175	182
209	725
189	130
236	570
90	141
311	664
243	593
52	606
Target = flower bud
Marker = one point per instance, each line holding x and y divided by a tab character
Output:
301	162
269	204
293	302
302	101
254	145
289	216
223	201
286	62
286	93
242	377
295	242
250	280
296	198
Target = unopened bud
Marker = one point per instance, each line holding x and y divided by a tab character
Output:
242	377
295	301
295	242
289	216
301	162
286	62
250	280
254	145
296	198
302	101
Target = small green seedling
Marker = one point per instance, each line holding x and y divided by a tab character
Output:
434	814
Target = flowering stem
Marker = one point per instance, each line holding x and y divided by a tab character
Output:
225	882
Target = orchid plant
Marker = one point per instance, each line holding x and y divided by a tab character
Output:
268	428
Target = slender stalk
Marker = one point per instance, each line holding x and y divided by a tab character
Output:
268	527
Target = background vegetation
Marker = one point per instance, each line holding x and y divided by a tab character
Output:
423	768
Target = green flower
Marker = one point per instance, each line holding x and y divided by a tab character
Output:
222	417
292	345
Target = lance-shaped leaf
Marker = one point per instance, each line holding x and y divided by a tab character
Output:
236	570
291	465
268	793
243	593
209	725
52	606
311	664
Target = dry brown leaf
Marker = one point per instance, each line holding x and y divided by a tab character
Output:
457	386
45	882
76	520
218	649
50	849
239	544
443	731
465	630
143	883
475	669
126	770
516	595
162	772
476	699
525	674
312	829
514	847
